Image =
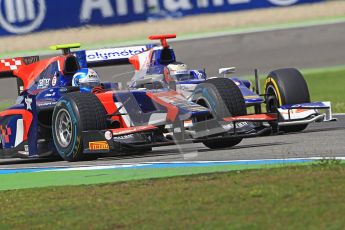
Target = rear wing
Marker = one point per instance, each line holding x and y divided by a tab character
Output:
109	56
9	65
120	55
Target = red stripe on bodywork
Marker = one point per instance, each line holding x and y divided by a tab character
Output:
172	110
134	60
163	38
254	117
11	64
293	111
130	130
27	117
29	73
138	63
107	99
9	131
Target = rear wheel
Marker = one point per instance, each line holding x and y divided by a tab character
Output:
74	113
225	99
286	87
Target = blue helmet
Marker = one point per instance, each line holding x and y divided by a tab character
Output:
86	79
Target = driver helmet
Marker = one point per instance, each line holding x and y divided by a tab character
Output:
179	71
86	79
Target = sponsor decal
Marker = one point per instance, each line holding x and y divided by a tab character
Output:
50	94
163	7
124	137
26	16
199	74
43	83
238	125
283	2
310	105
30	60
98	145
44	104
22	16
112	54
54	80
92	74
177	72
186	87
28	102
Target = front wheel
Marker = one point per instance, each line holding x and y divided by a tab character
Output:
74	113
286	87
223	97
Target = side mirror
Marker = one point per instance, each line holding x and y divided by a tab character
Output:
227	70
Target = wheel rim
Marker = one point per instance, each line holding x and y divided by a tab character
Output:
272	104
203	102
63	128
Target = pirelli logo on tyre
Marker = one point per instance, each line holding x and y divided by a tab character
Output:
98	145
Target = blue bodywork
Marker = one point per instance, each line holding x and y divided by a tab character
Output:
161	58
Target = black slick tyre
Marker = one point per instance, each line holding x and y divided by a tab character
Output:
74	113
286	87
225	99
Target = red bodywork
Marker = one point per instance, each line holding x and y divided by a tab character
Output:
163	38
253	117
27	117
107	99
28	73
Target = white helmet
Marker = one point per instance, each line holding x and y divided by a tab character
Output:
86	79
179	71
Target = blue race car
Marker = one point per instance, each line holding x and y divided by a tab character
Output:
286	92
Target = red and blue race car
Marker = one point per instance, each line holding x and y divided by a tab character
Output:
53	116
286	92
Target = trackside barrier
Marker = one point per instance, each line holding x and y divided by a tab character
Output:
26	16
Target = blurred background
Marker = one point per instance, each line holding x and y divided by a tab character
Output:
247	34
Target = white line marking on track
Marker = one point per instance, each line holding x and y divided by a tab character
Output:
129	165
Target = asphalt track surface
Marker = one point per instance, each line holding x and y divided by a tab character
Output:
317	46
308	47
318	140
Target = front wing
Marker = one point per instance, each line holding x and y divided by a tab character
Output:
141	137
305	113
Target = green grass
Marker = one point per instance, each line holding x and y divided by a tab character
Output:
328	85
306	197
88	177
325	84
5	104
